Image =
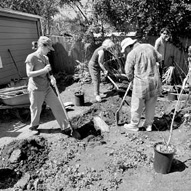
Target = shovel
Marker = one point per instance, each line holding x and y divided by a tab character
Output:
73	133
117	112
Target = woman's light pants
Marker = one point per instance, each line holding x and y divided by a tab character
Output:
95	73
37	98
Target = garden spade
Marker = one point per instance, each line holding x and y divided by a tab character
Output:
73	133
117	112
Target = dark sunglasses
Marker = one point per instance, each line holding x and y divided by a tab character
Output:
46	45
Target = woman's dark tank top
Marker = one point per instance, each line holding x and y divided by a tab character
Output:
94	58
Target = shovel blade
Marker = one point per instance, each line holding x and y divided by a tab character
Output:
117	117
75	134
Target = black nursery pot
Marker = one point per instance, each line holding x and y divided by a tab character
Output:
79	98
162	160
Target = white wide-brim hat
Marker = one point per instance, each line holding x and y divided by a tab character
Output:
127	42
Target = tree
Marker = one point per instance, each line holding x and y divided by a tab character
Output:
47	9
147	16
74	4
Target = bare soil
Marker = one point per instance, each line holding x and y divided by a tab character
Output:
99	161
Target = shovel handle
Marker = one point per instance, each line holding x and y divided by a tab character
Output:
58	94
129	86
117	112
113	82
73	132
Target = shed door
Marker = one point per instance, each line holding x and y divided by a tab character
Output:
16	35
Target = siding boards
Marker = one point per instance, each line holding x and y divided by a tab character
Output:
14	22
17	31
14	41
4	29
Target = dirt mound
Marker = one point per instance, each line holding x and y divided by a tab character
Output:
22	156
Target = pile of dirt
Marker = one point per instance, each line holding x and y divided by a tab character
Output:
21	156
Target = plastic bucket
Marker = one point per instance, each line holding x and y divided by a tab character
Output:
162	160
79	98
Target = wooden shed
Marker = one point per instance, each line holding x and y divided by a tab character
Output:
17	31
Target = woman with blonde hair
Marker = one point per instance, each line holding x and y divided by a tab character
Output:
96	64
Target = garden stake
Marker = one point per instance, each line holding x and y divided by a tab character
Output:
171	126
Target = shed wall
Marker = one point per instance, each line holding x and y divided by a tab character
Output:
16	34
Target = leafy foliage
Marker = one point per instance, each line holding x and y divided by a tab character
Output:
146	15
68	2
45	8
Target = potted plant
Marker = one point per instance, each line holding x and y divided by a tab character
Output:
164	151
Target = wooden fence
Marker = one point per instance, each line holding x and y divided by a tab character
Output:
65	55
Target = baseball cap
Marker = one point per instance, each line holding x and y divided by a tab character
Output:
46	41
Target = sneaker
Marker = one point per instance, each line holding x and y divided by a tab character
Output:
149	128
130	127
98	98
33	130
